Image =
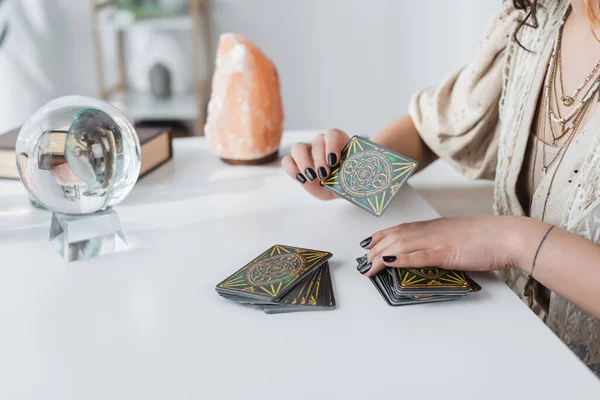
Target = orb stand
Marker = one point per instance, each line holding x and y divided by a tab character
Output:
81	237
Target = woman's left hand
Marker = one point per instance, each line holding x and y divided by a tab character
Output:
469	243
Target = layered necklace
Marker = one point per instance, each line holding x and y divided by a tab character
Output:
569	124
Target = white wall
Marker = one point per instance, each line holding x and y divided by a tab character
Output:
47	54
354	63
351	64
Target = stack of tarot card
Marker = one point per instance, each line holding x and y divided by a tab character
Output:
283	279
403	286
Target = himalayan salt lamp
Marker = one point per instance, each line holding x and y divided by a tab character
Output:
245	114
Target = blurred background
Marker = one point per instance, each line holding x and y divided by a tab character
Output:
349	64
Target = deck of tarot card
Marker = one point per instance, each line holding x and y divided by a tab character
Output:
403	286
282	279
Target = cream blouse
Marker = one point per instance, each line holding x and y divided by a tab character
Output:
479	120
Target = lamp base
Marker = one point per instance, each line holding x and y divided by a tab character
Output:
265	160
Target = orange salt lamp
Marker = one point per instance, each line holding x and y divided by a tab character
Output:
245	114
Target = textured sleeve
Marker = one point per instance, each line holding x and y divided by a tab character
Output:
458	120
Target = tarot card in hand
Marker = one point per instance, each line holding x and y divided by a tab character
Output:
369	175
282	276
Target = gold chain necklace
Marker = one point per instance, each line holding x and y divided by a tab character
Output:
577	117
562	153
551	75
569	100
530	285
572	127
566	148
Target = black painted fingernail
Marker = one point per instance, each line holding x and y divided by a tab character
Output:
361	262
310	174
366	242
301	178
365	268
322	172
331	159
361	259
389	259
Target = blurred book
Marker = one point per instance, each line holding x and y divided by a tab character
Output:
156	149
52	150
8	160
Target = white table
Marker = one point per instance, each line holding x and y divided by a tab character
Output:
147	323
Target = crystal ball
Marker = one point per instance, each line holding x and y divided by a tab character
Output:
78	155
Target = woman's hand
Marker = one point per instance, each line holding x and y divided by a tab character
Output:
469	243
312	162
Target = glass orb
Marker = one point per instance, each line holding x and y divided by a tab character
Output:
78	155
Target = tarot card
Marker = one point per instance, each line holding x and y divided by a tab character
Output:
253	302
383	283
313	294
429	281
237	299
381	290
369	175
273	273
474	286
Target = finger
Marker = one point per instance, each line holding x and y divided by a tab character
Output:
375	266
394	245
416	259
433	257
382	245
301	153
318	156
412	227
375	238
402	243
289	166
376	263
335	140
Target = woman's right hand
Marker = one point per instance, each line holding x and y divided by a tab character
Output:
311	162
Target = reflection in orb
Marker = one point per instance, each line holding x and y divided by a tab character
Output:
78	155
91	149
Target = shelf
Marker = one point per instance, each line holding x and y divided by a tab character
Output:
145	107
125	20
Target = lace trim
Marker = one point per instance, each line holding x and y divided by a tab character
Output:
582	213
586	195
